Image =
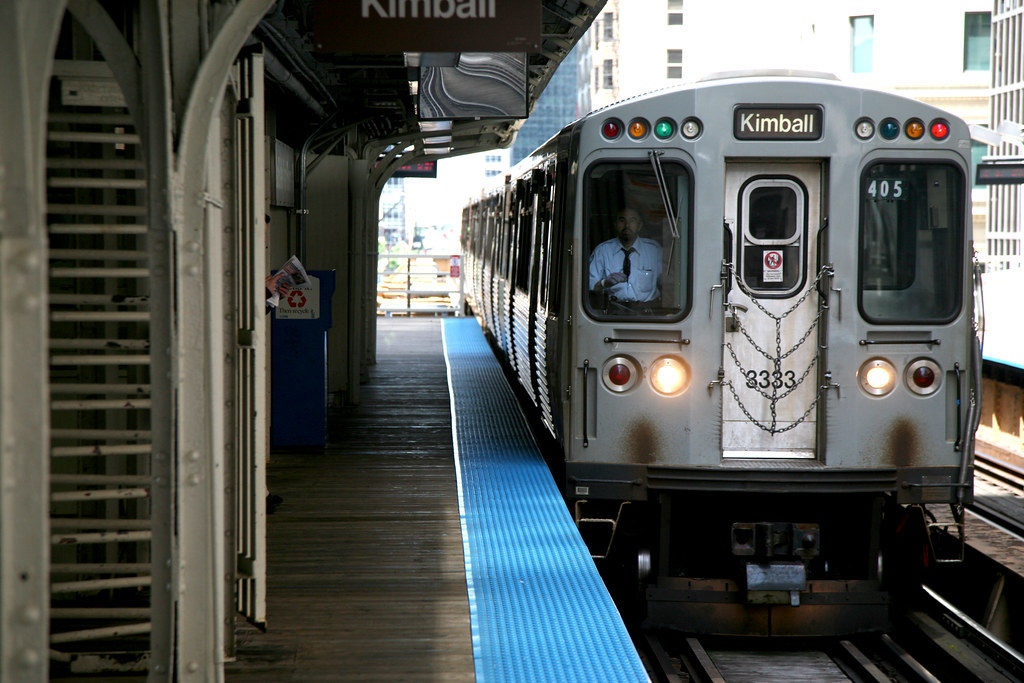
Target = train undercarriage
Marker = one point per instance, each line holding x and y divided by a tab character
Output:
717	563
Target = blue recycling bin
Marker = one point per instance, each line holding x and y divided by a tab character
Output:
298	364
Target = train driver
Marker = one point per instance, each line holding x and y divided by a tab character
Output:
627	266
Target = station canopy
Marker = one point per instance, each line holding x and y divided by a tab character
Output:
414	79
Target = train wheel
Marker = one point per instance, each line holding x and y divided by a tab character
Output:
643	565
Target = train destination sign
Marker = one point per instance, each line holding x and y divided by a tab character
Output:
752	122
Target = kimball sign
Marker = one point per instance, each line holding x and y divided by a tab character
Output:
777	123
390	26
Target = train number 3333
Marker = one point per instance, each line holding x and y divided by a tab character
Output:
776	379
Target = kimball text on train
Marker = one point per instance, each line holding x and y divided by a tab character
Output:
779	123
429	9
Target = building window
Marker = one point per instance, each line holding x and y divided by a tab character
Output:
675	12
977	35
493	158
862	44
675	63
609	79
609	26
490	173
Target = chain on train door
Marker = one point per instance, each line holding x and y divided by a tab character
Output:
769	343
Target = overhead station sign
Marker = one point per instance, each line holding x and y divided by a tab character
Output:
390	26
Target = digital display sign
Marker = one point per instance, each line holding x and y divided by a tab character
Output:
421	169
1000	173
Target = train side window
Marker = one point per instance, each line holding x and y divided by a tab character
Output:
637	264
911	241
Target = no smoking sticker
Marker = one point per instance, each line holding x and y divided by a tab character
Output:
772	266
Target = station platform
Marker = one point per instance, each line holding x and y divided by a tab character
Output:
421	547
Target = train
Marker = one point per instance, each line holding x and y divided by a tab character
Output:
743	312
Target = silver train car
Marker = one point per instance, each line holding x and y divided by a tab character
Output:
743	310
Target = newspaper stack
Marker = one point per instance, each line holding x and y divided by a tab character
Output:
294	276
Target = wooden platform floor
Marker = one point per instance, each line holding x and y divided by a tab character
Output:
366	575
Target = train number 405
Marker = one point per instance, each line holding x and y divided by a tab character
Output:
886	188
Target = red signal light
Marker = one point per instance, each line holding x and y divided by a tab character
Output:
611	129
924	377
940	130
619	374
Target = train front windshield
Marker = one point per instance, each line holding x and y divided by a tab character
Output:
637	260
911	242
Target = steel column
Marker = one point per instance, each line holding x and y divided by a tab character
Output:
199	352
28	34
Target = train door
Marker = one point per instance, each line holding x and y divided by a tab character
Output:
769	348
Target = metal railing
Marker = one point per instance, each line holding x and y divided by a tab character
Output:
419	283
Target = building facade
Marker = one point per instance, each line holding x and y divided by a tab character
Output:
556	107
1006	201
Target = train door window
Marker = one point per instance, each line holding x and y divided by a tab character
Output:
543	216
524	233
911	234
638	261
773	227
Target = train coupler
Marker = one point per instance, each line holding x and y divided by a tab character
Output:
775	583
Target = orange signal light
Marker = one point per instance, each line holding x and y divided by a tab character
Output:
915	129
637	129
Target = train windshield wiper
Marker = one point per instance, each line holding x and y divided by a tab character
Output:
666	200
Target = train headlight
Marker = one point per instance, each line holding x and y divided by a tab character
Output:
923	376
620	373
877	377
669	376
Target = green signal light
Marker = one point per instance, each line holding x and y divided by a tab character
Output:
664	129
889	129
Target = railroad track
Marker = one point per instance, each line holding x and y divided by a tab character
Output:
932	642
1003	475
875	658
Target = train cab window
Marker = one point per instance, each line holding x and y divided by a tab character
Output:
637	262
773	226
911	239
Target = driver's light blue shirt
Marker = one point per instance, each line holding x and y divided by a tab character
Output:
645	268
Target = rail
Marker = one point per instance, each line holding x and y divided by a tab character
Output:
425	283
1008	477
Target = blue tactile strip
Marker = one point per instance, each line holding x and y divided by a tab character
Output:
538	608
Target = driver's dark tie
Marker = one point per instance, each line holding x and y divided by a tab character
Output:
626	266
